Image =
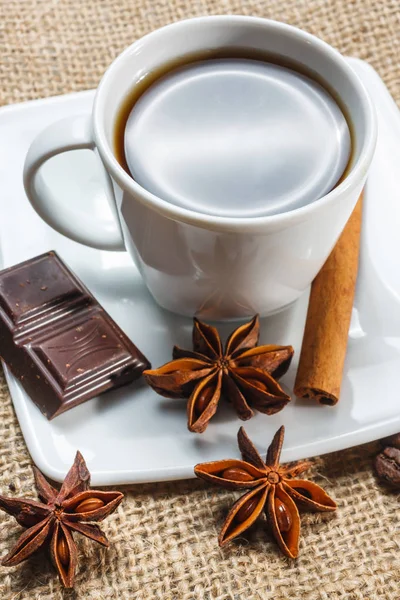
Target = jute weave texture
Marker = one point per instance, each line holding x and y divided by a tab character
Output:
164	536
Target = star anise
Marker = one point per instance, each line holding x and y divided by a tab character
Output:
62	512
244	373
274	490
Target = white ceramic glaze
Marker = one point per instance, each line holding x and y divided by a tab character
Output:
132	435
193	263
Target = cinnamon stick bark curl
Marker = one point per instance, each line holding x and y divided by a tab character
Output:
320	370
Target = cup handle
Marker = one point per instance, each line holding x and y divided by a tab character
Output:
70	133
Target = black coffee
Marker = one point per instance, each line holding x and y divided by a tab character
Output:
233	134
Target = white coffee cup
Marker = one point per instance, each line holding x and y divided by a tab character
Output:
216	267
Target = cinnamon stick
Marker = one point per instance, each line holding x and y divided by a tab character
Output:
320	370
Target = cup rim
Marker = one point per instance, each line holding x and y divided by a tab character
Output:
356	175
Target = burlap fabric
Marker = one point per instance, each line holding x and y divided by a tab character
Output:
164	535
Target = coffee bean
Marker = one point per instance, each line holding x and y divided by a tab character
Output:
387	465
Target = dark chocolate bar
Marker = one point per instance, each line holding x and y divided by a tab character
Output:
56	338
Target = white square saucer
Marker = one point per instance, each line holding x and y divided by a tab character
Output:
133	435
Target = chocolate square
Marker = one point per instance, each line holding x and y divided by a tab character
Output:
57	339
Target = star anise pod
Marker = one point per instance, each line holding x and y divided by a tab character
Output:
274	490
244	373
54	521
